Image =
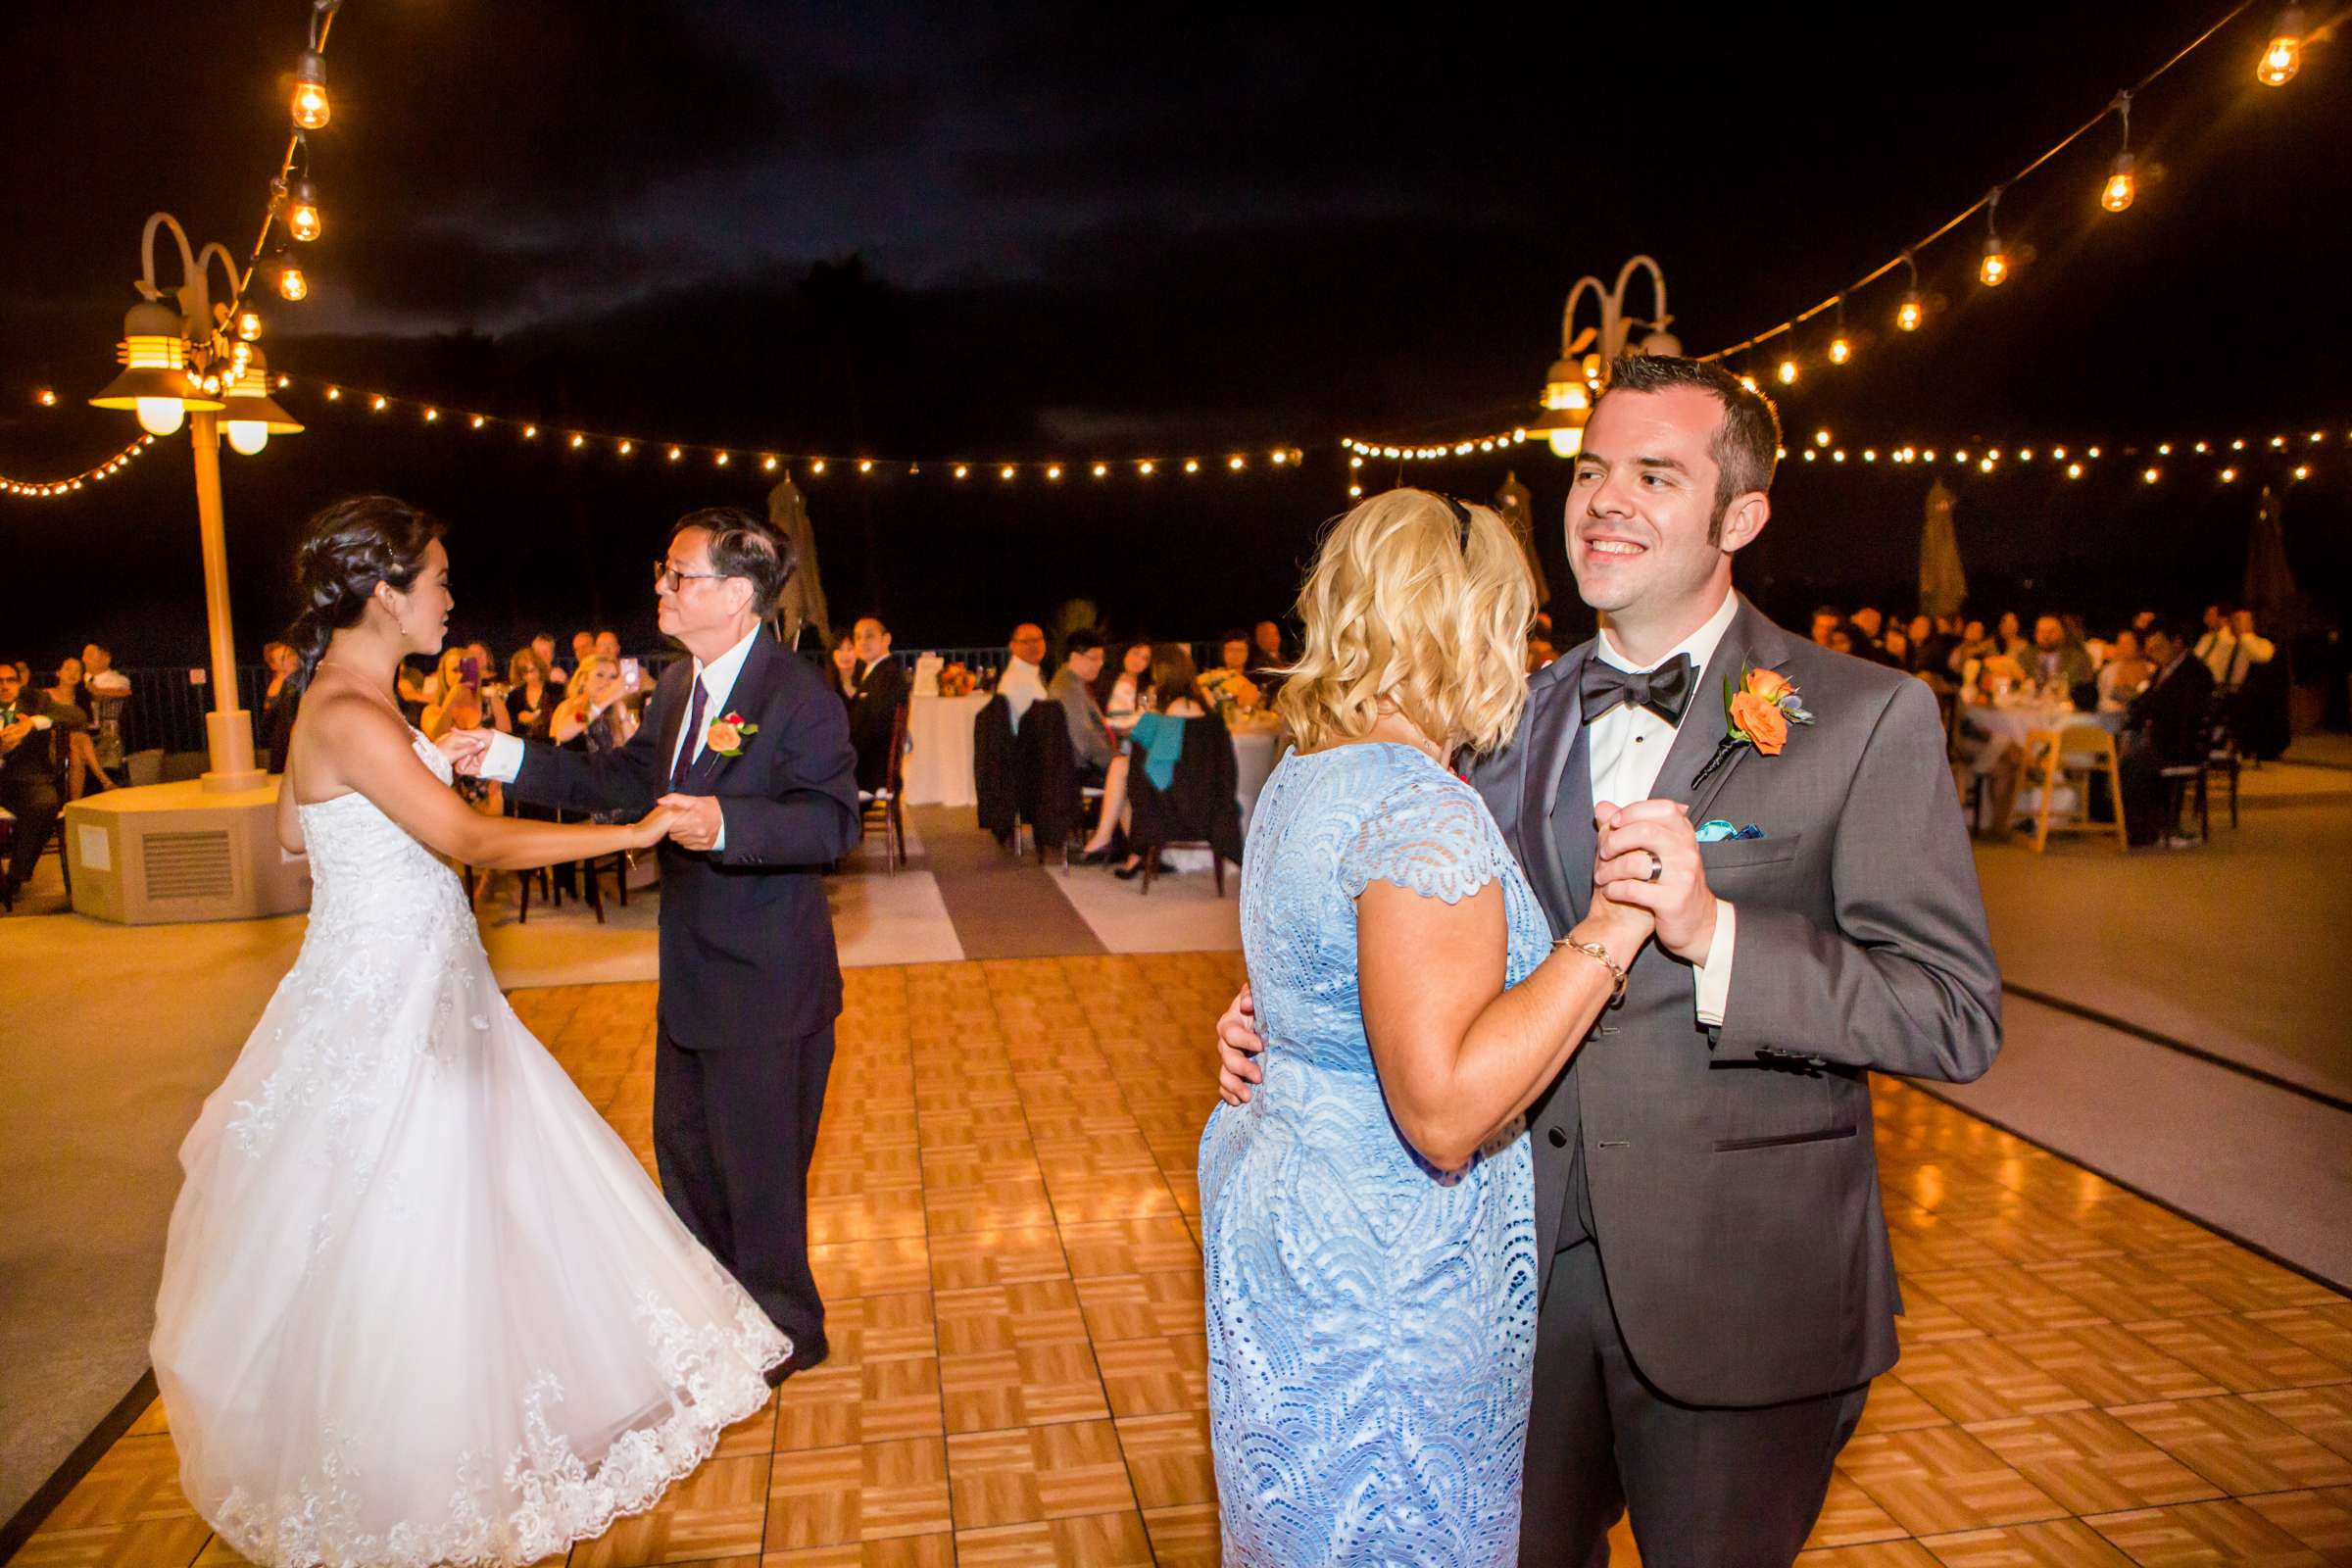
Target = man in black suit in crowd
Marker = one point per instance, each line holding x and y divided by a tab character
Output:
29	753
2166	727
748	741
881	690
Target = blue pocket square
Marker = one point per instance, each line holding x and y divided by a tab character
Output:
1717	831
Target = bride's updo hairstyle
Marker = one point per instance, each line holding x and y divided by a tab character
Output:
346	549
1415	605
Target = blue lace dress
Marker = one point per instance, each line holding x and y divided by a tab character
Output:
1371	1321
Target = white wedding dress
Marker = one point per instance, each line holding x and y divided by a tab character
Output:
419	1303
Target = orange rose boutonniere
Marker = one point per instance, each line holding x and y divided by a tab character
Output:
726	733
1757	712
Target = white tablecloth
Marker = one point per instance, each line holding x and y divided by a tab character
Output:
1254	756
2007	727
939	766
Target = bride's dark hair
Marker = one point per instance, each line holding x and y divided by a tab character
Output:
346	549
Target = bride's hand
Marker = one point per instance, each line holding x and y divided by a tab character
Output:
466	748
654	827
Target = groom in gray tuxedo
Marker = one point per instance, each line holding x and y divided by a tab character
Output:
1718	1288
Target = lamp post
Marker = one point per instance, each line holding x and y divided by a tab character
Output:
1582	370
181	362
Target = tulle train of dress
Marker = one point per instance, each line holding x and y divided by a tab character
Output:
419	1303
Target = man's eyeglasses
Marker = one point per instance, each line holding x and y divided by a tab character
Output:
668	576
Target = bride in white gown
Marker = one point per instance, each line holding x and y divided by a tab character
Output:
419	1303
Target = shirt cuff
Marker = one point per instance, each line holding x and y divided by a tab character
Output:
719	845
504	760
1713	978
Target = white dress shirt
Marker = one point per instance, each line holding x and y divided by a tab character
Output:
504	760
1627	746
1022	684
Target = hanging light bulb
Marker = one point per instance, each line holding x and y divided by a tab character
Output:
2117	193
1993	270
249	325
1914	308
2119	188
1787	370
311	108
291	284
302	211
2284	56
1841	349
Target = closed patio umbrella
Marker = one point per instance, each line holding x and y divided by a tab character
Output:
802	602
1943	582
2269	580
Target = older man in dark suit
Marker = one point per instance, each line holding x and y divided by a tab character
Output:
745	739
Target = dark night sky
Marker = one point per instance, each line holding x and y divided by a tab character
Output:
1086	231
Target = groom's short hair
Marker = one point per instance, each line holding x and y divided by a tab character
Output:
742	546
1747	446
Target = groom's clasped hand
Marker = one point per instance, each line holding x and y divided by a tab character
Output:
1648	857
693	820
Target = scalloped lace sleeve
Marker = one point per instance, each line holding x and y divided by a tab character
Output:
1428	835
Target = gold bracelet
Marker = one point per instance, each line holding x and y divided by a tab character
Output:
1600	955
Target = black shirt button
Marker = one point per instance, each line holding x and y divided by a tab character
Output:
1559	1139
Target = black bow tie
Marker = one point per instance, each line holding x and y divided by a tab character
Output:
1665	691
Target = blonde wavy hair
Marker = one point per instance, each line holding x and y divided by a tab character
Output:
1408	612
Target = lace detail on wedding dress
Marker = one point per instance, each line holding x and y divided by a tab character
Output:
556	1497
382	903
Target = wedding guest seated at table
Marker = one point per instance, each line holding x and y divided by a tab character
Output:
542	647
1153	744
1230	682
31	726
845	663
1841	638
2165	726
584	649
69	700
2010	634
1267	657
532	692
1869	628
595	714
2060	664
282	698
2249	650
2125	674
2218	645
1825	619
1092	743
1024	681
874	703
1126	692
1971	647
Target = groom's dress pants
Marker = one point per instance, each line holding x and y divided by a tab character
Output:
734	1130
1707	1487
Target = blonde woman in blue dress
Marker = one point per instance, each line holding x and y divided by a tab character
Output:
1368	1222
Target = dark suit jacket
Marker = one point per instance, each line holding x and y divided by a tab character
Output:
2174	711
881	689
747	941
1199	801
1733	1183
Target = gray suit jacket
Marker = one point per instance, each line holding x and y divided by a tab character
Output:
1733	1184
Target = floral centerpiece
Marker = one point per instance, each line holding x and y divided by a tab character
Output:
1232	692
955	680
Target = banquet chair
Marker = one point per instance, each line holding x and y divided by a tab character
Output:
1198	811
885	807
2072	757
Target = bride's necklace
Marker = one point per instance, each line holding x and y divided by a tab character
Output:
368	686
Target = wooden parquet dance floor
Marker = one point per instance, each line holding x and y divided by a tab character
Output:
1007	1230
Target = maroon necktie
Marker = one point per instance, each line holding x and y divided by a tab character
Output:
693	731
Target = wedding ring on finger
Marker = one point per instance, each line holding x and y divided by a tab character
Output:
1657	868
